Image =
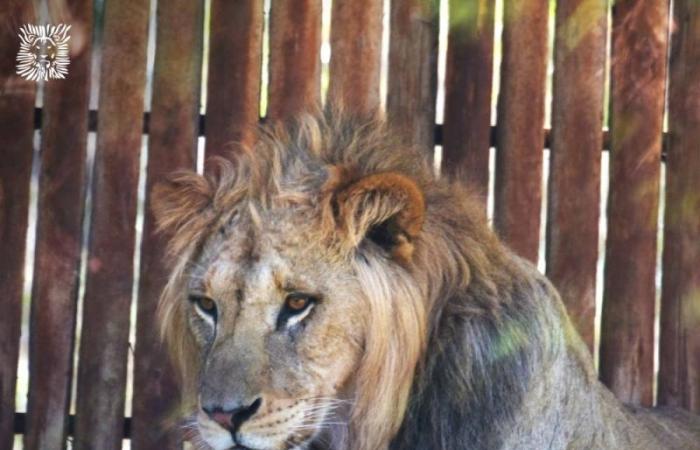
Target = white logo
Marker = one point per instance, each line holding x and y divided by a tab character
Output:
43	52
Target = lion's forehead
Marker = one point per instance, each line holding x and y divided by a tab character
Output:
276	257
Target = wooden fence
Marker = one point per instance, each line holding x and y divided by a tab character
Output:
652	50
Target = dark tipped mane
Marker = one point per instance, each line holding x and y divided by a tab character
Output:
290	155
475	373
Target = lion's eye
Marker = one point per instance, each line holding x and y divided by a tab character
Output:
297	303
296	307
204	305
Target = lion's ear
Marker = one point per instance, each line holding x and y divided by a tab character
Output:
180	201
387	209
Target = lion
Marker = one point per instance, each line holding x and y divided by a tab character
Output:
329	291
43	52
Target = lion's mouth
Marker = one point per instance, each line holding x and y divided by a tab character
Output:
243	447
237	446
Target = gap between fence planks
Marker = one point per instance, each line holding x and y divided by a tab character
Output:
172	146
295	64
59	238
16	139
233	85
679	365
520	139
356	42
412	74
468	87
108	290
438	130
637	107
577	136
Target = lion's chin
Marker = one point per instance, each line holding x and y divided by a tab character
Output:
216	440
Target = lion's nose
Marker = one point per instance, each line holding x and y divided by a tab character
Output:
232	419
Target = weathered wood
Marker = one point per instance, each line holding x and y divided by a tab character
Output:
577	137
356	44
233	86
679	359
105	326
640	29
412	71
59	237
172	145
520	137
438	130
295	64
468	81
16	134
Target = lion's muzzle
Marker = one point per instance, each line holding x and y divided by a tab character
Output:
232	419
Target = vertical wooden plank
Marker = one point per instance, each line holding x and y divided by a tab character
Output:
412	71
467	124
679	365
172	145
16	134
356	47
295	64
105	330
59	237
577	140
233	87
520	135
639	41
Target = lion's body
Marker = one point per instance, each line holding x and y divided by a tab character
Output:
544	395
426	333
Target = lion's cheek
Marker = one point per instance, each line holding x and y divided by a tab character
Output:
330	358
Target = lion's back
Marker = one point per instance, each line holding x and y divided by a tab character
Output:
674	428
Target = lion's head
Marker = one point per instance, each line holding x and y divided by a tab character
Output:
295	311
43	52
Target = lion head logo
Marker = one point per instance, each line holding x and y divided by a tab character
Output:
43	52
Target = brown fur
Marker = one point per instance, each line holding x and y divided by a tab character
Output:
428	332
